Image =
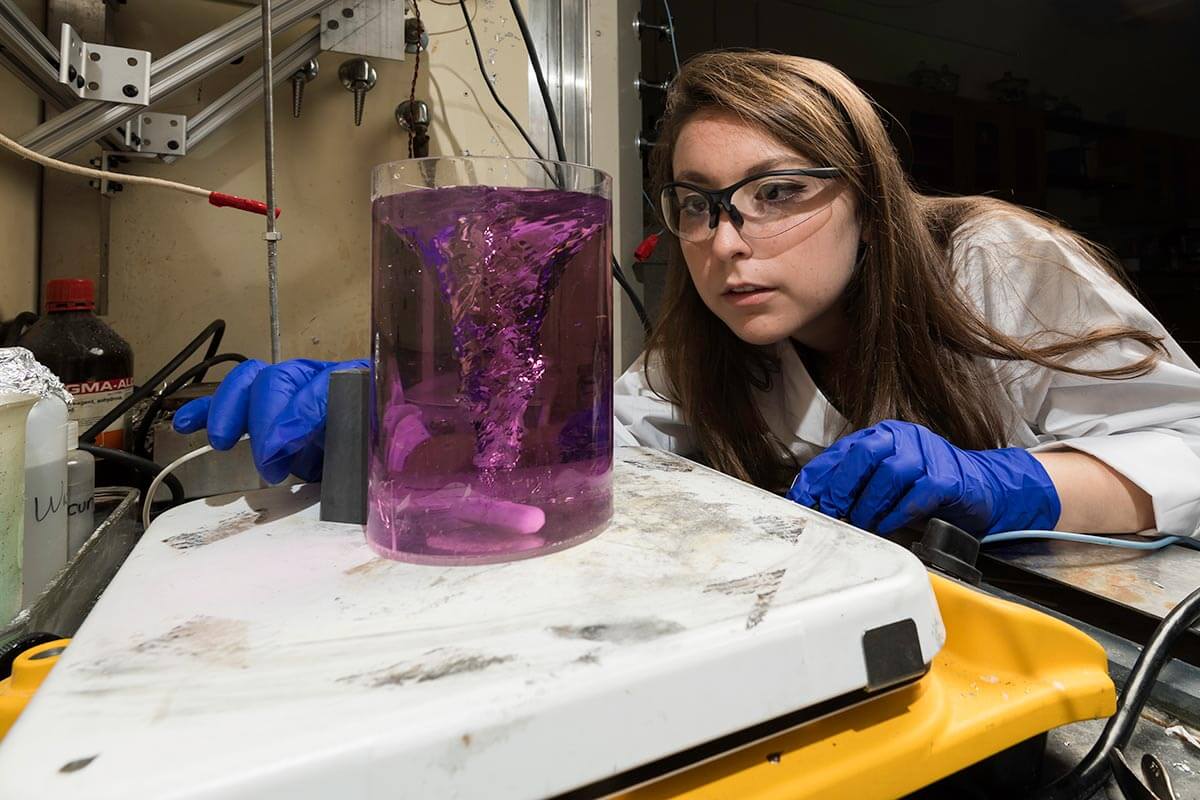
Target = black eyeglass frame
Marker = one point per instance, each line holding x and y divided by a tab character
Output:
719	199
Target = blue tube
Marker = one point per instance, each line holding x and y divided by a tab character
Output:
1153	544
671	25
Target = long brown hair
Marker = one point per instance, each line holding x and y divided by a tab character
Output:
916	350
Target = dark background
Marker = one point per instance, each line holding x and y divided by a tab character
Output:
1088	110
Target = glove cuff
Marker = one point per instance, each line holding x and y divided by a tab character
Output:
1026	498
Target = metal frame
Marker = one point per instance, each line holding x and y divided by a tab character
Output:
26	51
250	89
89	121
561	32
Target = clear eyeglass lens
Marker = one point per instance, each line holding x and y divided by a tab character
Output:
769	206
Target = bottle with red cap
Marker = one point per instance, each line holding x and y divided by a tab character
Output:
88	356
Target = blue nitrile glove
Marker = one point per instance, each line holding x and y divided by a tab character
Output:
891	474
282	406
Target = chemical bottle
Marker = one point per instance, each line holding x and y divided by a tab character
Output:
88	356
81	490
14	411
45	540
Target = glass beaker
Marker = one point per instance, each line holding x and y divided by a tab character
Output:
491	412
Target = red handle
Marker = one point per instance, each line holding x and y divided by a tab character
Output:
646	248
221	199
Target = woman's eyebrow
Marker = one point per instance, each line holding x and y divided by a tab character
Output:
766	165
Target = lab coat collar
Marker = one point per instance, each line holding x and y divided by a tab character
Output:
802	412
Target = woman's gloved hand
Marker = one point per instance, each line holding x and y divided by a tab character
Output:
282	406
895	473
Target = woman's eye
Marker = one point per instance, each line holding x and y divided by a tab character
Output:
693	205
779	192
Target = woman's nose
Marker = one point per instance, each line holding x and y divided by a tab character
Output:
727	241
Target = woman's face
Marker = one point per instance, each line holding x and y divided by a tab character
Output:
795	279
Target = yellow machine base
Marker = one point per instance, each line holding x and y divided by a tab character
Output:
1007	673
29	669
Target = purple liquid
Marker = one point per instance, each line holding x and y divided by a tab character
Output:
492	414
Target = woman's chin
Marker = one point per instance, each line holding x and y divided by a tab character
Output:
760	331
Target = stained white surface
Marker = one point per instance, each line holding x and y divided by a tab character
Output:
248	650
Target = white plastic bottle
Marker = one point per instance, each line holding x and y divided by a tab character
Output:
14	410
45	546
81	490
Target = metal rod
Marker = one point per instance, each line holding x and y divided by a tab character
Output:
272	236
91	119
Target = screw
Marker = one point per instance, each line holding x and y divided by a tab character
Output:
299	78
644	85
358	76
639	25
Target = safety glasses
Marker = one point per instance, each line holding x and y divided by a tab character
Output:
759	206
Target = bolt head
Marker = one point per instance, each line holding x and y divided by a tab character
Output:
309	71
357	74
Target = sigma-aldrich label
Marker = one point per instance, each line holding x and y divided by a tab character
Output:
94	399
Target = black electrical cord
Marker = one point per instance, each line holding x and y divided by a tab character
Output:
634	300
143	429
486	79
215	329
556	132
213	347
11	331
143	465
1093	771
535	62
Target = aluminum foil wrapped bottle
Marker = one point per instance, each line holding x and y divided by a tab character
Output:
44	540
491	416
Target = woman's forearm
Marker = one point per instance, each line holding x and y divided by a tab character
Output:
1095	498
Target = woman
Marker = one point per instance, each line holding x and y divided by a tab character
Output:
1034	391
899	356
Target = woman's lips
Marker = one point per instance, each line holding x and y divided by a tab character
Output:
754	296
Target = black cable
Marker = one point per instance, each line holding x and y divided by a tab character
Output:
11	331
483	71
618	273
634	300
143	429
143	465
215	329
213	346
412	89
1093	770
535	62
556	134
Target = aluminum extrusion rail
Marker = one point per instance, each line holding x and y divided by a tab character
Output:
250	89
31	56
91	120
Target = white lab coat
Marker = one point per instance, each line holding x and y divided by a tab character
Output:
1024	280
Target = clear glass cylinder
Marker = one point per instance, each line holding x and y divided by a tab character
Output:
491	413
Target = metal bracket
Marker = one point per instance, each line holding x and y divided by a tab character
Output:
101	72
371	28
107	160
160	134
